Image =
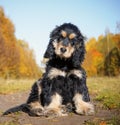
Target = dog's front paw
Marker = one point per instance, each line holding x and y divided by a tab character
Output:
36	112
87	109
35	109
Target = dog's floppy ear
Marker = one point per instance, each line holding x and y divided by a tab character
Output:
79	54
50	49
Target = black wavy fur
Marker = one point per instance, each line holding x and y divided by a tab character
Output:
66	86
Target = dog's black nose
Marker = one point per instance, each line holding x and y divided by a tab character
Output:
63	50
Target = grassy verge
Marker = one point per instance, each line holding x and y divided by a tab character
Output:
12	86
106	91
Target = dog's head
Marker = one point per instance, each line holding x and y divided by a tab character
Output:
66	41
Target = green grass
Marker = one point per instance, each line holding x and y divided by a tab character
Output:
12	86
106	91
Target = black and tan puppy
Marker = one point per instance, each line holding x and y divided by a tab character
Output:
64	80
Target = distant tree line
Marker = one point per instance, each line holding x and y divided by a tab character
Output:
17	60
103	55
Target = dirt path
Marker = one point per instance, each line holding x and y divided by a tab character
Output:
21	118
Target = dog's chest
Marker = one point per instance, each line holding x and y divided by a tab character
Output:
64	65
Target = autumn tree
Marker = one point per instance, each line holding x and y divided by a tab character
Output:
103	55
112	62
93	57
9	53
16	59
27	64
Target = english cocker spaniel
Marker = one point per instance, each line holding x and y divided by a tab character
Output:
63	85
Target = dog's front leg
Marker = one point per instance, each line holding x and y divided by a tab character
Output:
34	106
81	96
54	109
82	107
54	84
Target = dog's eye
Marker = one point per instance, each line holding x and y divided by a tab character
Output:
60	39
74	41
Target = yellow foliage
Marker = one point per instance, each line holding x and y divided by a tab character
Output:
91	44
16	59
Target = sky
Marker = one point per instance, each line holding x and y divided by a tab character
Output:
35	19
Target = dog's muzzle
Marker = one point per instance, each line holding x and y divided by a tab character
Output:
63	50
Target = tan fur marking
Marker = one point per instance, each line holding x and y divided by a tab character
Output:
76	72
81	106
72	35
57	46
56	101
45	60
64	34
55	106
35	105
69	51
39	88
56	72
